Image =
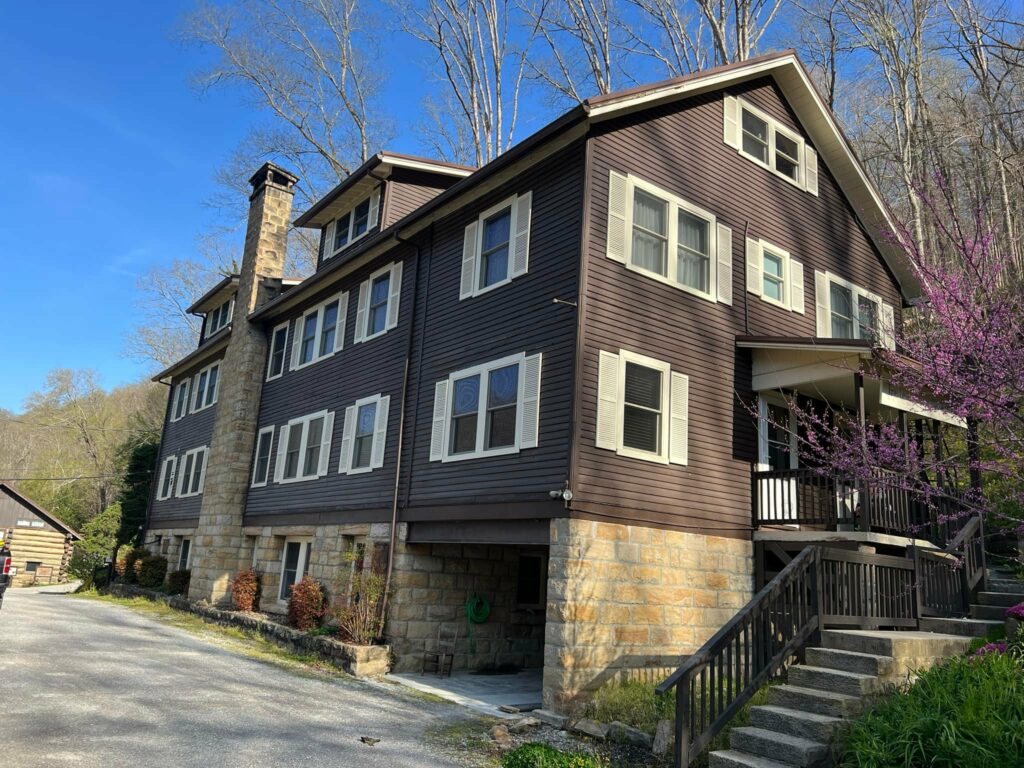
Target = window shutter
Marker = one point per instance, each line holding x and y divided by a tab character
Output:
888	329
339	334
521	252
822	315
364	300
325	445
328	245
282	445
467	283
202	469
724	278
810	170
348	429
796	291
753	267
440	415
530	422
374	209
678	438
380	433
296	341
732	121
395	299
608	401
618	203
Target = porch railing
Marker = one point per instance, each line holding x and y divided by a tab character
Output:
948	579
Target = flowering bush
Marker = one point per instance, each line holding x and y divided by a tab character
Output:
1016	612
245	590
307	604
991	648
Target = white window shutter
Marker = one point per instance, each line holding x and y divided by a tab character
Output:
810	170
282	446
888	329
348	429
339	334
467	284
296	341
325	445
380	433
329	241
678	437
437	428
822	311
530	422
731	130
608	401
796	290
723	245
374	209
395	299
202	469
521	252
618	203
364	300
754	274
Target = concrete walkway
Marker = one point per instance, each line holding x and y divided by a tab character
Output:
86	683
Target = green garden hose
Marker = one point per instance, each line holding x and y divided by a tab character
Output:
477	611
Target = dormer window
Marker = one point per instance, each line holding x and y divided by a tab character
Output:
352	224
219	317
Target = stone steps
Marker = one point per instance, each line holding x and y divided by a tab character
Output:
835	680
814	701
730	758
962	627
795	722
787	749
852	661
1004	599
988	612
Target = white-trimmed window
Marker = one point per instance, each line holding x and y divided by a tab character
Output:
844	310
179	406
294	565
764	140
261	461
380	296
278	343
669	239
487	410
24	523
165	488
775	276
496	247
304	448
643	408
352	225
185	555
219	318
363	435
192	476
204	387
320	332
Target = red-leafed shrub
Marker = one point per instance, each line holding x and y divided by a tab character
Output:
128	568
307	604
245	590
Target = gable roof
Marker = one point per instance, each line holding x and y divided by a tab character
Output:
38	511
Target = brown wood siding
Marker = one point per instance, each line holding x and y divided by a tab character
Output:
11	511
680	148
407	190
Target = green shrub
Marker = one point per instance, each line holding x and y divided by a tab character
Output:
631	702
537	755
245	590
307	604
128	567
968	713
177	582
151	571
99	536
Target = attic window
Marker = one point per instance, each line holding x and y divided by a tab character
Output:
761	138
352	225
219	317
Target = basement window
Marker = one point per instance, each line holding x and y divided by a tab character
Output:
531	581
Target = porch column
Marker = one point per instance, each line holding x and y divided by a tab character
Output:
858	396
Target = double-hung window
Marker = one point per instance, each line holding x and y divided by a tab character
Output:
643	408
304	448
320	332
767	142
669	239
165	488
496	246
179	405
204	387
294	564
278	342
491	409
364	434
775	276
193	472
352	225
185	555
380	298
261	462
219	317
847	311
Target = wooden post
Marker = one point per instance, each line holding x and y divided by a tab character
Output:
974	454
682	746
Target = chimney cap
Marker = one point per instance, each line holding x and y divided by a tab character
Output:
272	173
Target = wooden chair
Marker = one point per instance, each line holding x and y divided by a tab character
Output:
438	660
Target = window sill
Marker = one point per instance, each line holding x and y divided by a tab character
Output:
205	407
773	171
312	362
376	335
480	291
188	495
775	303
348	245
358	471
678	286
306	479
480	454
632	453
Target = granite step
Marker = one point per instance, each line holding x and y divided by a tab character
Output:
1005	599
989	612
792	750
795	722
730	758
901	644
814	701
962	627
852	661
835	680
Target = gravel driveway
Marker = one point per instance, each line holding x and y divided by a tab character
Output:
87	683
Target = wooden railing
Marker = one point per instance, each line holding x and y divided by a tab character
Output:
948	579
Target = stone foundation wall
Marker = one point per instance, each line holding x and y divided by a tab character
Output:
630	601
174	536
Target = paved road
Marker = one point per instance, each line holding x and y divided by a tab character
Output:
85	683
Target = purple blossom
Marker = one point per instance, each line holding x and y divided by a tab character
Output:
1016	612
988	648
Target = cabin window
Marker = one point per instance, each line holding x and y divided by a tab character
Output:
219	317
185	555
204	387
294	564
352	225
321	332
261	465
180	403
304	447
32	565
775	276
379	302
193	472
643	408
496	246
491	409
364	434
165	488
278	342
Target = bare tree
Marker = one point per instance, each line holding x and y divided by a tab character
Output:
672	34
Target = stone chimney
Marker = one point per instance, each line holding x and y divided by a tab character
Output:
219	541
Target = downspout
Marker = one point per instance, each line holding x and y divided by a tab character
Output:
746	293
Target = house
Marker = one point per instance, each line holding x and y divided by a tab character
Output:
41	545
551	383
